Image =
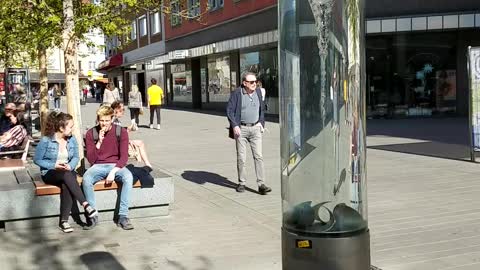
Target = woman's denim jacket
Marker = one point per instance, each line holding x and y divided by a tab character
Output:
46	153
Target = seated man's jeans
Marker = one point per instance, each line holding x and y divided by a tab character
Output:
99	172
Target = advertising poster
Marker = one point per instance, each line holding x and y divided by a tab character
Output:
446	85
474	74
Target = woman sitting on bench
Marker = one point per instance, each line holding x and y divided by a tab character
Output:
12	131
57	157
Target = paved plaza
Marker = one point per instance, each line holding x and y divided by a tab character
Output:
423	204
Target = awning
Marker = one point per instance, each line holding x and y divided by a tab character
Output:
112	62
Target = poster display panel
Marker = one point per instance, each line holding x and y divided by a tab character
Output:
474	74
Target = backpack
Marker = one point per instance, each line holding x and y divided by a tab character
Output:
118	133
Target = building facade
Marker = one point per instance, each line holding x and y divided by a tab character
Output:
415	49
199	60
207	58
132	60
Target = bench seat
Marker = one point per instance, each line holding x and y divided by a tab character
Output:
11	164
42	189
26	202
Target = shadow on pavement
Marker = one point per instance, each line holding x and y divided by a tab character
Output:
446	138
204	264
101	260
444	130
202	177
430	149
40	244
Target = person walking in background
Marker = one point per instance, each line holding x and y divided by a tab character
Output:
155	98
264	94
57	95
108	156
57	156
135	105
136	148
111	94
97	92
245	112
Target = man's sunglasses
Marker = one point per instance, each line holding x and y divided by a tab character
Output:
251	82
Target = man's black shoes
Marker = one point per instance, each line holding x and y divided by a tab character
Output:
263	190
240	188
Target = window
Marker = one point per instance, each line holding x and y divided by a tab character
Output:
133	33
92	50
219	80
193	8
91	65
155	23
118	41
215	4
182	82
175	18
142	21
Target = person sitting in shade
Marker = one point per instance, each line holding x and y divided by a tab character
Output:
12	131
57	156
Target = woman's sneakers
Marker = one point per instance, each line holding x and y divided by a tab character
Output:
65	227
90	211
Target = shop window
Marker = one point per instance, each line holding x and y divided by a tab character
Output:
182	82
265	65
193	8
219	83
175	18
143	26
155	23
411	81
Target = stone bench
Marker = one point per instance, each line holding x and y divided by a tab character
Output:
27	202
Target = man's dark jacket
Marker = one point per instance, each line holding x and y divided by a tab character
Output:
234	108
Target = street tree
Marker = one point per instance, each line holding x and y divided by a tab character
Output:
28	28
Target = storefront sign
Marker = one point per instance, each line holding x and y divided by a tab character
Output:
178	54
474	74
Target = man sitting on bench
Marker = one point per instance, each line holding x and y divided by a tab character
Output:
108	156
12	132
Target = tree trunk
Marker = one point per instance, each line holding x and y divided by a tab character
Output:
71	73
42	63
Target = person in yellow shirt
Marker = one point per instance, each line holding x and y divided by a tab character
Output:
155	98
